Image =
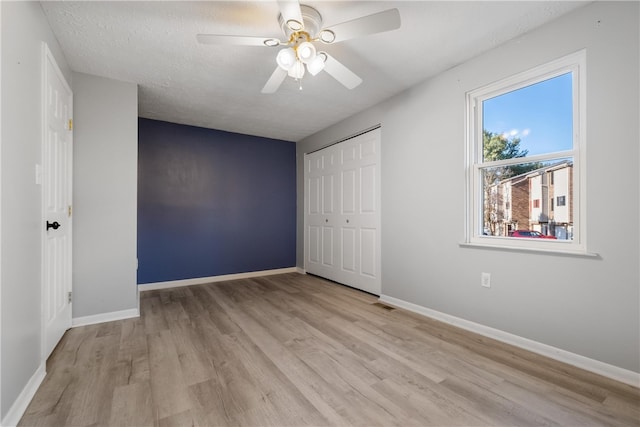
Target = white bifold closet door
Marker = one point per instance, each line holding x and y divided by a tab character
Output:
342	212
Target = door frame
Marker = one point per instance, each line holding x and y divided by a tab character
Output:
47	56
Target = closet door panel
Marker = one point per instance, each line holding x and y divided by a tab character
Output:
327	247
349	248
368	190
348	188
368	262
315	244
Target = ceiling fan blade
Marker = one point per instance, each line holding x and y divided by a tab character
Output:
274	81
290	11
235	40
341	73
377	23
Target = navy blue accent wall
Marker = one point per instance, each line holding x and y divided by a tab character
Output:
213	202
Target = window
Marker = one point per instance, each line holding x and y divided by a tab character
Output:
525	145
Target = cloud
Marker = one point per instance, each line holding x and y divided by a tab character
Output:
515	133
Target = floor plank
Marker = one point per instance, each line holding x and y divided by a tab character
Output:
297	350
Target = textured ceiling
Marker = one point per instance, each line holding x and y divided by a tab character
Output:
154	45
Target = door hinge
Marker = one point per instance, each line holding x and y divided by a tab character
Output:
69	211
70	124
69	297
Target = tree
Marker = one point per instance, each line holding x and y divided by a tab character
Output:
498	147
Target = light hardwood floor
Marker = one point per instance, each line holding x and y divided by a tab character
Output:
296	350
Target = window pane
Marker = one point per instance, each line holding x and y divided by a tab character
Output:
536	119
518	200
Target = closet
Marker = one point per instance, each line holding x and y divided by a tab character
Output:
342	212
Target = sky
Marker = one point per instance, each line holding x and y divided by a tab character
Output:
540	115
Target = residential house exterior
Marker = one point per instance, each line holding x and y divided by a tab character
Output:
539	200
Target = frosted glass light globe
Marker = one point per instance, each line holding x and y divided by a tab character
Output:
297	70
286	58
306	52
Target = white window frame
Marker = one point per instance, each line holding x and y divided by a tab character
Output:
574	63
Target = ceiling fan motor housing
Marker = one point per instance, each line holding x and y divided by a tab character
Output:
311	19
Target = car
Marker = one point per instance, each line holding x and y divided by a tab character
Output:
530	234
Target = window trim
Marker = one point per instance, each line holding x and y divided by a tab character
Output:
574	63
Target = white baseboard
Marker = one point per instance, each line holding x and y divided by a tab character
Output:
301	270
105	317
610	371
202	280
24	398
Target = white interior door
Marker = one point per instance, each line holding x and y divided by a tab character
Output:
342	212
56	201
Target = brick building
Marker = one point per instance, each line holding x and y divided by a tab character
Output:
539	200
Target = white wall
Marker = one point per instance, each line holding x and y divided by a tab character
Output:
586	306
105	197
24	28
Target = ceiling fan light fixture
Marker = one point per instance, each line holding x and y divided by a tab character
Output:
316	64
297	70
327	36
306	52
286	58
299	53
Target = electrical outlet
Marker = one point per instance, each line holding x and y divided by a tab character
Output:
485	280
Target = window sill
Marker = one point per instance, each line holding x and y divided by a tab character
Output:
544	251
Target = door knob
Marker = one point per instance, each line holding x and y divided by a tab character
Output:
55	225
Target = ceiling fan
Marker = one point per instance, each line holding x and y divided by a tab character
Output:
302	27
